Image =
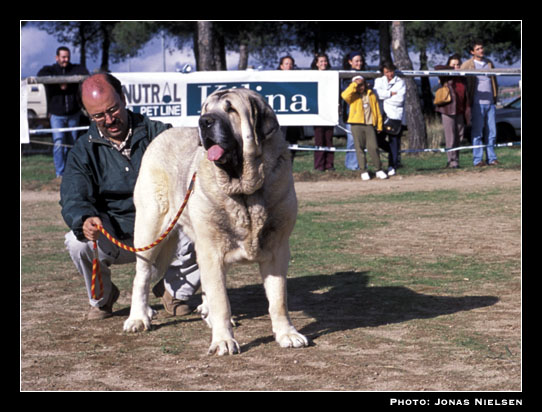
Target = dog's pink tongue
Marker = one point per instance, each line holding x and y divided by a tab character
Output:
215	153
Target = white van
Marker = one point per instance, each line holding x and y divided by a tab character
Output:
36	101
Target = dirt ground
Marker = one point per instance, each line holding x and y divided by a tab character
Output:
459	339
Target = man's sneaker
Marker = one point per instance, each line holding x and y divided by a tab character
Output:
381	174
365	176
105	311
391	171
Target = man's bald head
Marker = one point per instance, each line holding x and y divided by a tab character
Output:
105	104
97	85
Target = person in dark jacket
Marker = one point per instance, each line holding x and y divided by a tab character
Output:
62	105
97	189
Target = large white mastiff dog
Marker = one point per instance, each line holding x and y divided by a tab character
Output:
243	209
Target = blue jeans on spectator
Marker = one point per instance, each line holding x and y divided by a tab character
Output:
350	160
62	139
484	131
395	150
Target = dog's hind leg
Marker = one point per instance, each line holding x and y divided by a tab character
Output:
273	274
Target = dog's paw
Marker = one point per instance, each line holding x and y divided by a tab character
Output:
224	347
139	324
136	325
292	339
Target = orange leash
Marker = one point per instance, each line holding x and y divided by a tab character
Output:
95	263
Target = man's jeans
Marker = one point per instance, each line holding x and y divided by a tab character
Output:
63	139
484	131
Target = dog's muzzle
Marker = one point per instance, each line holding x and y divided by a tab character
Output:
217	136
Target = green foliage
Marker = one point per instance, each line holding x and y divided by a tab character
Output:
267	40
130	37
502	39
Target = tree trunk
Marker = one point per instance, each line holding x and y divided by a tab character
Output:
83	44
205	55
243	57
320	40
414	116
105	29
385	42
428	108
219	51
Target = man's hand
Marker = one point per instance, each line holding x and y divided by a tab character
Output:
90	228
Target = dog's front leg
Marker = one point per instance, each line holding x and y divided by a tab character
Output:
213	280
273	274
141	313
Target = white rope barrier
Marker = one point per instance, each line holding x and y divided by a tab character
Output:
440	150
296	146
61	129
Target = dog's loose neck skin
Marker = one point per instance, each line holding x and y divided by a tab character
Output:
251	180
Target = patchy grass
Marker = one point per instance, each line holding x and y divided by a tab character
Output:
38	173
397	289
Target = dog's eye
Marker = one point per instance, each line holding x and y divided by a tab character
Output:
228	107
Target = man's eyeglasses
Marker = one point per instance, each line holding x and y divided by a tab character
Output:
100	117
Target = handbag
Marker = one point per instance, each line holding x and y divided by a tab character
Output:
392	126
442	96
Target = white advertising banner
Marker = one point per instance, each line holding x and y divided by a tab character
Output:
298	97
159	96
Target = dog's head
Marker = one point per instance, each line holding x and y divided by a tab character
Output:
233	124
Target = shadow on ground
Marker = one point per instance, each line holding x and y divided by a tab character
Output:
344	301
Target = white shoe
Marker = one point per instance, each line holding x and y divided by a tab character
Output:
365	176
381	174
391	171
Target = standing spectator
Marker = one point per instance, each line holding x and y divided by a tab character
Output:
292	134
391	92
364	117
286	63
482	92
352	61
62	105
454	114
323	135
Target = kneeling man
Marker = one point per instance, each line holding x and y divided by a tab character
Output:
97	189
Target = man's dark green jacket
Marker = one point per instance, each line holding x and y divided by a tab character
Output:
98	179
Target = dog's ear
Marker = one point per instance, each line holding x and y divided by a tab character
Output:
264	118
